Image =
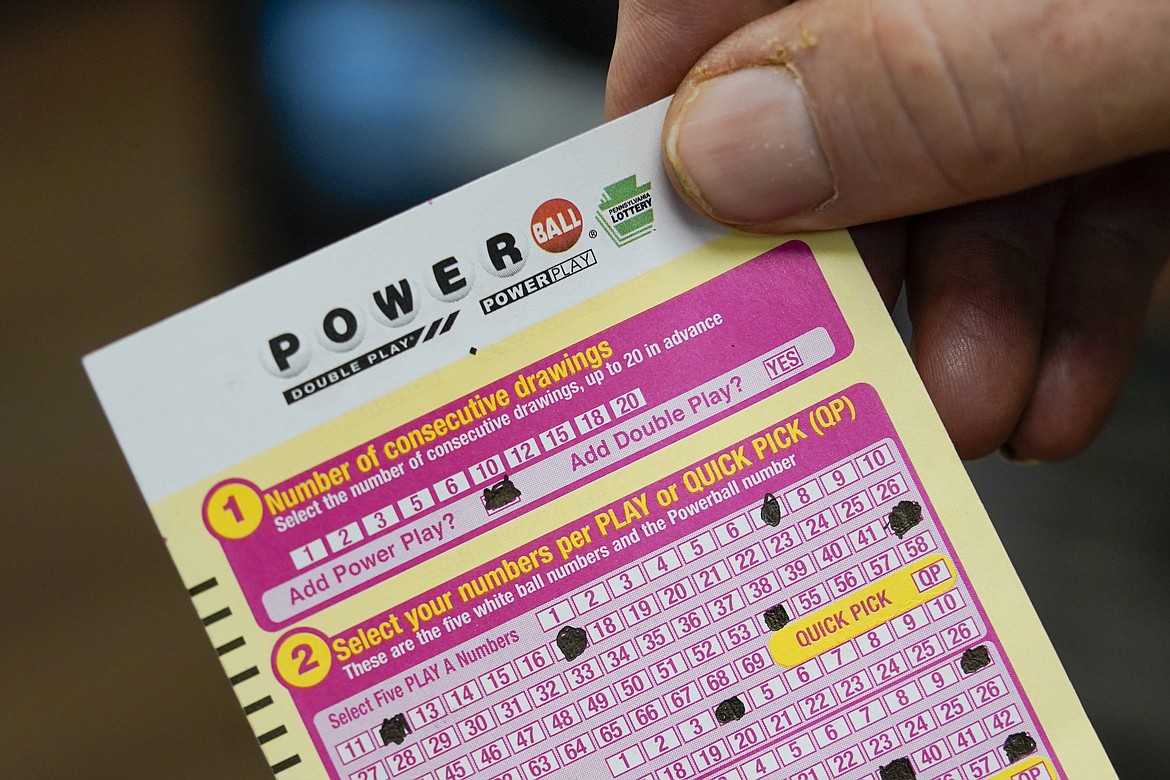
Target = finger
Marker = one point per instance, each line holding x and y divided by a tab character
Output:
659	40
1112	241
835	112
975	287
882	245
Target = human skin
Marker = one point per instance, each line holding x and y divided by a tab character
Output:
1007	161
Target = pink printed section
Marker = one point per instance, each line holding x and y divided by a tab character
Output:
812	455
330	549
840	470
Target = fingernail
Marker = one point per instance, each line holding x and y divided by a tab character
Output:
1008	453
744	146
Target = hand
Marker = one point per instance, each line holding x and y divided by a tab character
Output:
1006	158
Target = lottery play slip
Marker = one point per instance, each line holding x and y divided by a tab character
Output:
549	478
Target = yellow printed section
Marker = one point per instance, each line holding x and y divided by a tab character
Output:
1031	769
862	611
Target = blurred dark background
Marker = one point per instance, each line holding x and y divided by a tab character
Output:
153	154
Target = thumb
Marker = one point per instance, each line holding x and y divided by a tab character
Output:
833	112
659	40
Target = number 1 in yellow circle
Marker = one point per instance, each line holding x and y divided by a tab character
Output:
233	509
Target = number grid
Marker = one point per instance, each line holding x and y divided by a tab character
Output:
648	632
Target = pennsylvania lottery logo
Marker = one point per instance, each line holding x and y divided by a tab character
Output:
626	211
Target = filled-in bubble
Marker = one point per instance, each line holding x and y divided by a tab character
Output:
572	642
729	710
500	494
904	516
974	659
776	618
394	729
1019	745
770	511
898	769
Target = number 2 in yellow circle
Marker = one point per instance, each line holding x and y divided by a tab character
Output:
233	509
302	660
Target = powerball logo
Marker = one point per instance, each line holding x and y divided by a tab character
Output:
626	210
